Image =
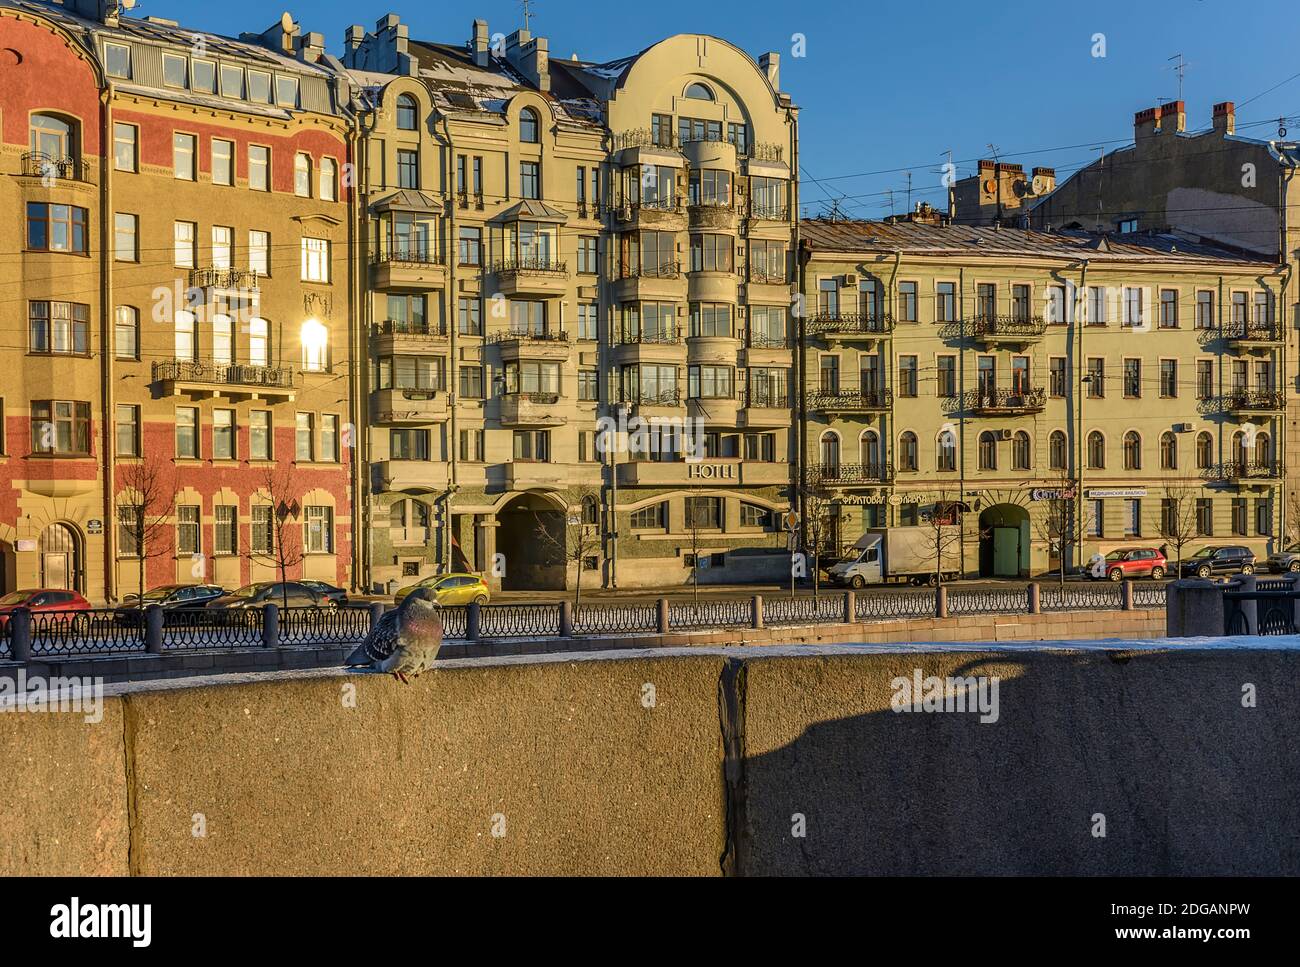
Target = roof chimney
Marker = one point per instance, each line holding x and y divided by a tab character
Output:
770	64
530	56
480	43
1225	118
1173	118
311	47
1145	124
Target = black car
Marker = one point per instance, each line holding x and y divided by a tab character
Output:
328	591
293	593
1208	561
174	599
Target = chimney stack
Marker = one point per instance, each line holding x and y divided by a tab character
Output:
480	43
770	63
530	56
1145	124
1048	180
1225	118
1173	118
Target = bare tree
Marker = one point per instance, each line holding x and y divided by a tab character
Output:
943	532
1064	520
577	539
1177	522
145	507
280	486
817	531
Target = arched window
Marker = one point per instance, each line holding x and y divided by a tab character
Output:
699	92
988	456
830	447
530	128
870	447
1168	451
408	110
1096	451
907	451
1239	448
1056	450
1132	450
1263	450
1204	451
590	511
947	451
315	346
54	138
1020	451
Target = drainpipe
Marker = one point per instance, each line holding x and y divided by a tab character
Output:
961	409
453	328
1279	435
801	362
798	411
107	318
361	473
1080	368
357	343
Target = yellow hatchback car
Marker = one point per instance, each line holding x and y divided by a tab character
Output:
452	589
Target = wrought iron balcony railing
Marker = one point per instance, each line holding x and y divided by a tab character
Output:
764	399
38	164
645	138
768	276
651	337
223	374
850	324
1239	470
661	270
1259	400
843	400
223	278
408	254
1009	327
1254	331
407	327
767	340
850	473
667	397
530	265
533	335
544	399
771	213
1006	400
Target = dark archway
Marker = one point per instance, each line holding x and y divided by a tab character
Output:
531	534
1004	541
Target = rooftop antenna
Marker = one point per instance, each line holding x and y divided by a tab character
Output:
997	180
909	192
1180	69
1101	165
528	11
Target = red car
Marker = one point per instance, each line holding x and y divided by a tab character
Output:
1132	562
67	605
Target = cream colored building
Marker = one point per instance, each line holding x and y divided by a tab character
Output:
987	369
550	243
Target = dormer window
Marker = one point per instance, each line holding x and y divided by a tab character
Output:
529	126
700	92
117	61
407	113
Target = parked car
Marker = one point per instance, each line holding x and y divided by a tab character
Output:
1231	559
59	605
329	591
1287	559
1131	562
254	596
452	589
174	599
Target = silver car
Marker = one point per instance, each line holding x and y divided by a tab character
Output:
1287	559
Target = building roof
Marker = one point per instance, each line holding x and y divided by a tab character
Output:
853	236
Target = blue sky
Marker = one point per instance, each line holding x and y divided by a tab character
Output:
894	85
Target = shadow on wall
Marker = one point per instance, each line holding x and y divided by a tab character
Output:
1187	779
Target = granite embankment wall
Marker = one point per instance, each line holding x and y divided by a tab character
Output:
676	761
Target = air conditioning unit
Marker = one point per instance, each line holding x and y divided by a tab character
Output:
1004	434
1182	428
850	280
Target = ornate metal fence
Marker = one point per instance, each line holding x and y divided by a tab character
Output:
519	621
724	613
895	606
454	623
1082	597
1149	595
324	626
988	601
198	630
615	619
805	610
62	633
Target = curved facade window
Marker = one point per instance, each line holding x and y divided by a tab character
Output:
1020	451
1168	451
907	451
530	128
408	110
1096	451
699	92
1056	450
1132	450
988	456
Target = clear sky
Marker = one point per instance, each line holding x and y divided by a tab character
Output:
894	84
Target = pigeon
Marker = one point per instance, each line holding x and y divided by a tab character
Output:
403	642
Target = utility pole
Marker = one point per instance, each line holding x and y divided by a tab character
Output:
997	181
527	5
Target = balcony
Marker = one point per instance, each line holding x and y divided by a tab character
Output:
401	336
711	217
851	402
994	331
410	406
411	476
666	402
850	326
769	213
1245	472
1003	402
531	276
651	216
536	474
534	409
761	410
1255	335
534	345
224	279
649	283
203	379
1255	403
653	346
404	266
850	474
705	472
51	169
717	411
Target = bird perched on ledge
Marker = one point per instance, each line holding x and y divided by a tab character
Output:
403	642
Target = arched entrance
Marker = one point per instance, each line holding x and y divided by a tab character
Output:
532	534
1004	541
60	553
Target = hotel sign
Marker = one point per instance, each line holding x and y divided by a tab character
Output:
711	471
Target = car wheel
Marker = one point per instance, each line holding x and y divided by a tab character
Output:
1248	569
481	599
1294	566
858	582
1116	575
1157	574
1203	571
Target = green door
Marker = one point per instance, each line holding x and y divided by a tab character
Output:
1006	552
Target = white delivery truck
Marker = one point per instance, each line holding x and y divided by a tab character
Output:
885	554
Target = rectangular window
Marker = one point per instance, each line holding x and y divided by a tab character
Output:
329	437
1263	516
711	319
1020	303
126	333
223	247
587	321
1132	378
470	247
302	175
1056	305
259	252
1096	379
259	167
532	446
223	434
1239	516
259	87
587	262
986	300
126	242
187	432
1133	518
259	343
329	179
907	302
188	537
471	382
654	517
1097	519
262	531
226	532
315	259
1133	307
471	446
203	76
588	385
530	179
711	382
1205	516
126	151
1168	308
62	328
1169	378
129	526
128	430
468	321
286	91
223	162
117	61
1204	379
187	336
183	157
318	530
56	228
945	309
185	244
259	435
703	512
408	168
1056	376
305	438
232	81
1204	309
711	253
947	370
907	376
61	426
